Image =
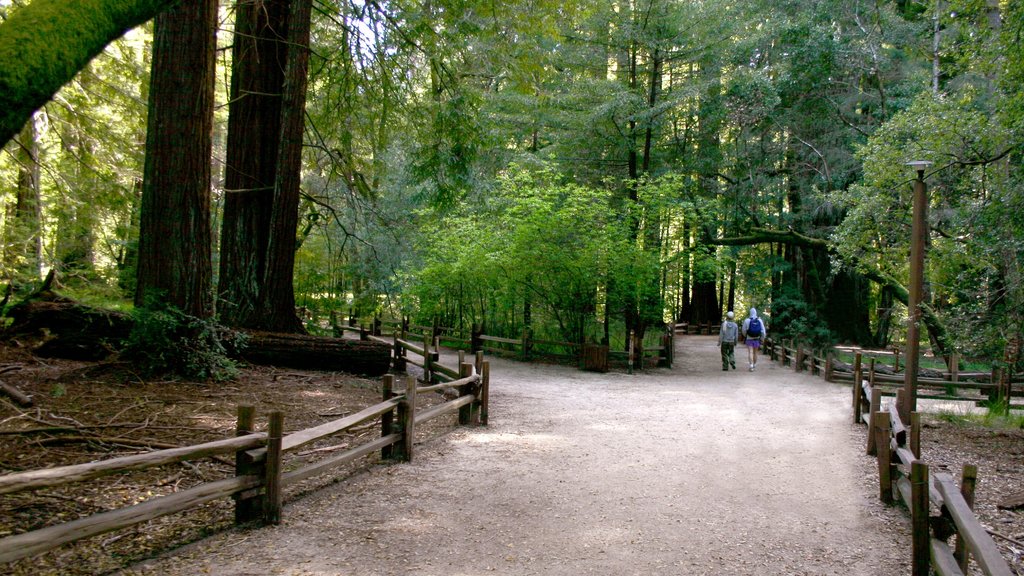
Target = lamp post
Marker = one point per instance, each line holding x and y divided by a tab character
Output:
918	239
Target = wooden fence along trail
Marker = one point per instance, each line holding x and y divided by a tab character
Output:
938	509
408	336
260	477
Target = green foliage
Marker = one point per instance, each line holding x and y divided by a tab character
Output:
792	317
164	339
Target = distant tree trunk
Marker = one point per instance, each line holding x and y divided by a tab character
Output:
174	226
259	55
732	288
25	243
279	301
75	220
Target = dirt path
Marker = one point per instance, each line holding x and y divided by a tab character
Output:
689	471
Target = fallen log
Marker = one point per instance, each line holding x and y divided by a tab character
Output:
365	357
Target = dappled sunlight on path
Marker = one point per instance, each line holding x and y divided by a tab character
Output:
689	470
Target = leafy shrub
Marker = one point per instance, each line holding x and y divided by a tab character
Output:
792	317
165	339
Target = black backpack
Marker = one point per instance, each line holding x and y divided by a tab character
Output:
754	328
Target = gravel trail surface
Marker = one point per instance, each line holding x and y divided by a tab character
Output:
688	471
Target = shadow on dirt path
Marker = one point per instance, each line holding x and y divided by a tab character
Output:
688	471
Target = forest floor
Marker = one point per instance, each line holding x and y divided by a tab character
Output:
684	471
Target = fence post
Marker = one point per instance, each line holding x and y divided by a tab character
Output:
858	389
351	318
475	343
783	355
871	373
954	367
876	405
465	412
632	343
387	419
364	332
895	359
485	391
246	509
915	434
406	419
880	428
428	377
919	512
479	363
798	363
526	343
829	358
272	504
400	365
968	480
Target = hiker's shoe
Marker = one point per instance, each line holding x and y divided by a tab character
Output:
733	366
725	369
751	367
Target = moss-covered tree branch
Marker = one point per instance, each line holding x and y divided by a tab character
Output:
45	43
932	322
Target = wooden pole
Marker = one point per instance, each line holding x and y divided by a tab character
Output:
274	495
954	367
858	388
465	412
915	434
246	509
631	345
387	419
919	512
428	377
895	359
829	361
406	419
480	362
918	239
968	480
485	391
880	429
876	405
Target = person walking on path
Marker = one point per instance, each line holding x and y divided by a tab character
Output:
753	334
727	341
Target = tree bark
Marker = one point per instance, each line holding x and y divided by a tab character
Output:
174	227
278	284
259	56
46	42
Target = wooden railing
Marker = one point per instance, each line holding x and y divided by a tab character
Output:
955	385
259	478
903	475
425	341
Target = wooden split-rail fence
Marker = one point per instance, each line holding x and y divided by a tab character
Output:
939	510
260	477
991	388
408	337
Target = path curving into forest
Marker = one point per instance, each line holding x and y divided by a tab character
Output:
688	471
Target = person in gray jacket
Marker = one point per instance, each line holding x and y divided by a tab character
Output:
727	341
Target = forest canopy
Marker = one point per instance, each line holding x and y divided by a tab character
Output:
578	169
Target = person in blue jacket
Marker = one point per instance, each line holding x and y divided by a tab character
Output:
754	332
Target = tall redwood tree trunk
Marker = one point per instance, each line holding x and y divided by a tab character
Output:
254	133
279	298
174	227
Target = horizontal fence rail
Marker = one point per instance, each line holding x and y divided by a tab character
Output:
259	471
